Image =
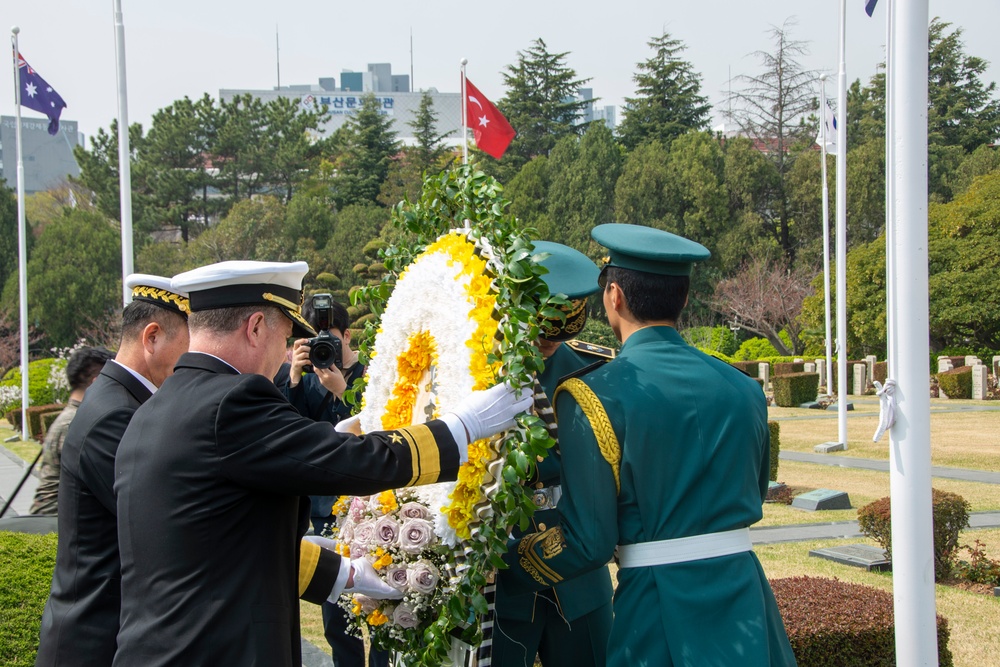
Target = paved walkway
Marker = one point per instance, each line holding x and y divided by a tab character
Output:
12	469
883	466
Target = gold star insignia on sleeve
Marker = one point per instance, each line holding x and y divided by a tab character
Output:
396	439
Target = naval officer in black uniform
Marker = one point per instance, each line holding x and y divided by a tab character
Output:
211	471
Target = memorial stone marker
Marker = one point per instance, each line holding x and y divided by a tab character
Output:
822	499
979	382
860	379
859	555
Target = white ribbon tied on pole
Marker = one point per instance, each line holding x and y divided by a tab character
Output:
886	407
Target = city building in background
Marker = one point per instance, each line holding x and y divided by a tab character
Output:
48	160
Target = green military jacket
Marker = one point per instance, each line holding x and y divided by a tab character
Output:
591	590
47	494
670	443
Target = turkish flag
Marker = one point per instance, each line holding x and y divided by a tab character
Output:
492	131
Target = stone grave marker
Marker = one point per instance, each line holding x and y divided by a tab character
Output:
858	555
821	369
827	447
822	499
870	363
860	379
764	373
979	382
972	360
809	367
944	364
996	365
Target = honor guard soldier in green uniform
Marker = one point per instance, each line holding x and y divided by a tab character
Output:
665	463
566	625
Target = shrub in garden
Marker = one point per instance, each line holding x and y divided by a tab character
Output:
787	367
40	392
956	383
751	368
794	389
26	564
755	348
980	568
880	372
775	429
40	417
950	515
831	623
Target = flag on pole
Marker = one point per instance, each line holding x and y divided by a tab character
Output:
38	95
492	131
830	123
870	6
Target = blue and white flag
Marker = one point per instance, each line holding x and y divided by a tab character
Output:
38	95
830	128
870	6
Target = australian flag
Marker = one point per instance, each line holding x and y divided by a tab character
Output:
870	6
38	95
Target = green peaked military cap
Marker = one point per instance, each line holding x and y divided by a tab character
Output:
651	250
571	273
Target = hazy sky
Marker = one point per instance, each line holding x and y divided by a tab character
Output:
188	47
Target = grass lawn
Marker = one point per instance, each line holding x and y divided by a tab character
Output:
966	439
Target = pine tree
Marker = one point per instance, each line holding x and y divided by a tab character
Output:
668	99
370	142
430	147
540	105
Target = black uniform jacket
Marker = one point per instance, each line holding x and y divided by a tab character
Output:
209	477
80	621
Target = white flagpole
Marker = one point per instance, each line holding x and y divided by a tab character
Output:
124	164
890	199
842	378
22	245
826	237
910	447
465	120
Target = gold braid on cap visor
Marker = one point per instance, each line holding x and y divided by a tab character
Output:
295	308
576	317
146	292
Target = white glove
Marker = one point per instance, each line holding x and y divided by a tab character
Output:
488	412
367	582
349	425
322	542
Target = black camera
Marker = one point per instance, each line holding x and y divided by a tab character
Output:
325	350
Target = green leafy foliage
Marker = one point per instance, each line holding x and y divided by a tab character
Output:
26	565
755	348
40	391
774	429
950	516
831	623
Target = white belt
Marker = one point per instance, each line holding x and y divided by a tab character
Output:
684	549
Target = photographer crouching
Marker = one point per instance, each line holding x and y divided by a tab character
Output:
320	371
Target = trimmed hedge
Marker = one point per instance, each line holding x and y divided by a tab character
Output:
775	429
26	565
794	389
40	417
832	623
850	373
880	372
950	516
789	367
751	368
956	383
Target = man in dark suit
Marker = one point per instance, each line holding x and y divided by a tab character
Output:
80	620
211	471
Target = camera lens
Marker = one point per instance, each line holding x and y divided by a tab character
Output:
324	351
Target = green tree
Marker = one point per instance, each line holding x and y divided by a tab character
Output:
370	143
581	191
239	147
8	233
251	230
773	107
354	227
528	192
540	105
668	99
99	170
291	143
430	145
74	276
980	162
753	185
640	193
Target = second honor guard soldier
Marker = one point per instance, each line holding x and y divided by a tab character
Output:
665	455
566	625
212	469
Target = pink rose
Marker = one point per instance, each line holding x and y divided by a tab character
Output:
423	577
396	577
404	616
368	605
415	535
386	531
358	507
364	536
414	511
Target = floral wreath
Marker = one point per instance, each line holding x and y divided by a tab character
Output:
458	309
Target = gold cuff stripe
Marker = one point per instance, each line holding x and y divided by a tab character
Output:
424	452
308	560
159	294
595	413
532	555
